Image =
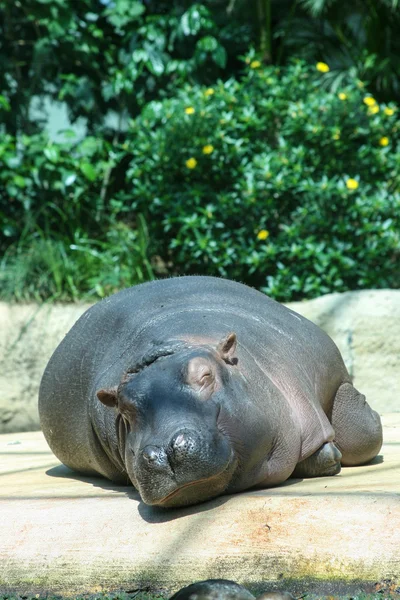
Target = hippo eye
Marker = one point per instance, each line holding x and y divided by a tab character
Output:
204	376
200	376
124	419
129	417
127	408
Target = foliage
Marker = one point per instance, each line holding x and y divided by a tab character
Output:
72	242
269	179
109	57
273	181
355	37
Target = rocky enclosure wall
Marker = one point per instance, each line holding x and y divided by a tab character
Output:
365	325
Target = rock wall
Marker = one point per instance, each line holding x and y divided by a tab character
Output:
29	334
365	325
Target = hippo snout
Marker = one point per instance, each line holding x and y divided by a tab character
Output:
184	446
189	464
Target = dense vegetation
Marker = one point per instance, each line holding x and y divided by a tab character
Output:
272	181
210	147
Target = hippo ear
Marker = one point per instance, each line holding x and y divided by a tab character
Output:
227	348
108	396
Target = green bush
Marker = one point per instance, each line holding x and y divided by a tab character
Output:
62	238
102	57
272	181
269	180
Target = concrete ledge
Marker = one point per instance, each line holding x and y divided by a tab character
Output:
64	534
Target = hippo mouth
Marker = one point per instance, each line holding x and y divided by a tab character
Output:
200	490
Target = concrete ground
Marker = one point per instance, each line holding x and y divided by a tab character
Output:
65	534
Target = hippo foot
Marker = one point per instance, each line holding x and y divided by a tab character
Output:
325	461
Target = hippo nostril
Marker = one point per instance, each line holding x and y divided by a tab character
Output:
183	444
180	441
154	459
151	453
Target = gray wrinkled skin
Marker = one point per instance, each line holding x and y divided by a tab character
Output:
224	589
214	589
192	387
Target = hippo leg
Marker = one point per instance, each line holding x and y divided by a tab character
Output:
325	461
358	429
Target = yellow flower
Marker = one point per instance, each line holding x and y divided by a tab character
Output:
189	110
384	141
322	67
208	149
342	96
389	111
373	109
255	64
352	184
209	92
191	163
336	136
263	234
369	101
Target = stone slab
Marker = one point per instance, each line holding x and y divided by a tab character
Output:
64	534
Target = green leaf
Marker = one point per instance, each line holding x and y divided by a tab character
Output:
19	181
315	7
4	103
69	179
195	19
68	133
9	230
190	22
52	154
154	63
12	162
220	56
208	43
89	146
123	12
89	171
107	91
92	17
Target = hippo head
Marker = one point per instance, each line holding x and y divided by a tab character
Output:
178	444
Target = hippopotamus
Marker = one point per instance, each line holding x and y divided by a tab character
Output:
196	386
